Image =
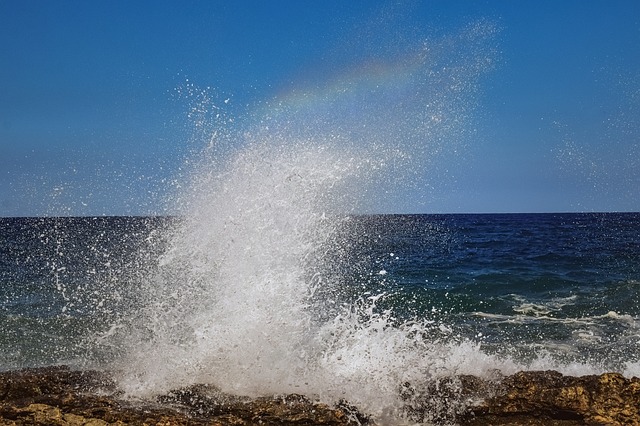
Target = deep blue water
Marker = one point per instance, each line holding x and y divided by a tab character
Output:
521	285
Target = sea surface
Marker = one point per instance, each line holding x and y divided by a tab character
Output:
522	285
269	282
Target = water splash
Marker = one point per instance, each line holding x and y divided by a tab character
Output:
250	294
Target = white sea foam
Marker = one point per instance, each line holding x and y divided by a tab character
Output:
234	301
248	294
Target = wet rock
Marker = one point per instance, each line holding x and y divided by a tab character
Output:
549	398
59	396
210	402
445	400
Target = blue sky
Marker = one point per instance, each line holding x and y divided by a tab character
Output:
92	120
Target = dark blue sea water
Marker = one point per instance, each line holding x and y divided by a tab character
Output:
62	280
522	284
524	287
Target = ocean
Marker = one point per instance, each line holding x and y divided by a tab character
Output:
270	280
387	298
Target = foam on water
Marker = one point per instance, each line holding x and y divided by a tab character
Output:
249	294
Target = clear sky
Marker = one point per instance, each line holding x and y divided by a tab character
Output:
93	119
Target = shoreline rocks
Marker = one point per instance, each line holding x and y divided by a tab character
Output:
61	396
548	397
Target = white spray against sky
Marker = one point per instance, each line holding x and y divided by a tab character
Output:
241	297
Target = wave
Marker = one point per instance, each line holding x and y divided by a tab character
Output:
250	294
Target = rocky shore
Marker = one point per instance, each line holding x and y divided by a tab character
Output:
61	396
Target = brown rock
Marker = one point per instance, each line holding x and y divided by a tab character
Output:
59	396
549	398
